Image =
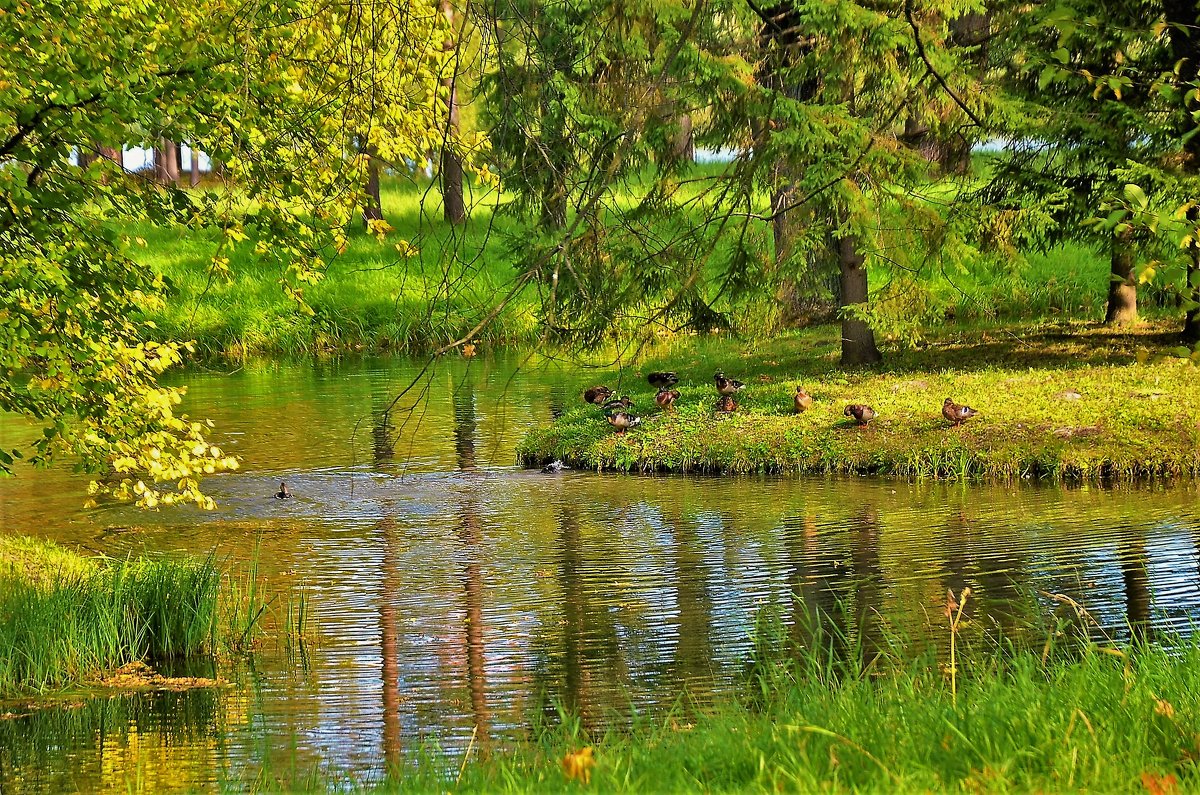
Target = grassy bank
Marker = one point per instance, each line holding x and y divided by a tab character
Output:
823	714
68	619
1057	401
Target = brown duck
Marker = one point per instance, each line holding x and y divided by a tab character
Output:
726	404
727	386
623	421
803	401
283	492
666	398
957	413
597	395
862	414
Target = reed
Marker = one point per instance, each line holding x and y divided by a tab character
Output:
66	618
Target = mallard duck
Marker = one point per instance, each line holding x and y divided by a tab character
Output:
662	381
861	414
666	398
283	492
957	413
803	400
617	404
623	421
597	395
727	386
726	404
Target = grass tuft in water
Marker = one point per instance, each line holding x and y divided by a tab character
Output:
66	618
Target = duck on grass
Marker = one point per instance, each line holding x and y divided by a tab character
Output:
959	408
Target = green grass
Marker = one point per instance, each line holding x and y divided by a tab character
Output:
66	619
1064	401
821	713
373	299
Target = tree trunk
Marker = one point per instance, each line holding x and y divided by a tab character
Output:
454	209
166	164
1122	288
373	207
86	158
1185	52
194	177
685	144
858	341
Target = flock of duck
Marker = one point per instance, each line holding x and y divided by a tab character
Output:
617	409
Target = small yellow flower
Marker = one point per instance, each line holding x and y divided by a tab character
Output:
578	765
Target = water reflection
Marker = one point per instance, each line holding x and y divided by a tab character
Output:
461	600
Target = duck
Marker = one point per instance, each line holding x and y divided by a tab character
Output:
623	421
726	404
283	492
661	381
617	404
554	467
597	395
862	414
727	386
666	398
956	412
803	400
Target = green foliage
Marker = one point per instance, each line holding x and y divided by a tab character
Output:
276	94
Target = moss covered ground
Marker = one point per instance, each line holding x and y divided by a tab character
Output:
1057	401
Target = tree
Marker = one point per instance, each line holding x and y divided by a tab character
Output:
454	208
264	90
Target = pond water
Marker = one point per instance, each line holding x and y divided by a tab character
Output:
460	599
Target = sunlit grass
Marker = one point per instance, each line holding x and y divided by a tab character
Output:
66	618
1062	402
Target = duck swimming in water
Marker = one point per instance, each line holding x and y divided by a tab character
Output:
283	492
957	413
861	414
727	386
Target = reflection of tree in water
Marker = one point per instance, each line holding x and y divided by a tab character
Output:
580	661
1002	599
694	600
389	653
383	438
836	597
465	423
470	534
1132	554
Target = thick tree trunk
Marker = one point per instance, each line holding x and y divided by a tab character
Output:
1122	287
166	163
454	208
373	207
858	341
194	176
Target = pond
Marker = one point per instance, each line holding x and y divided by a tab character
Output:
459	599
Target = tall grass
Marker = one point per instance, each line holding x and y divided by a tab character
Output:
65	619
863	710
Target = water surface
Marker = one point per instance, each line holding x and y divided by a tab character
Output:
457	596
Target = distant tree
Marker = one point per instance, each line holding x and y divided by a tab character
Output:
454	208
